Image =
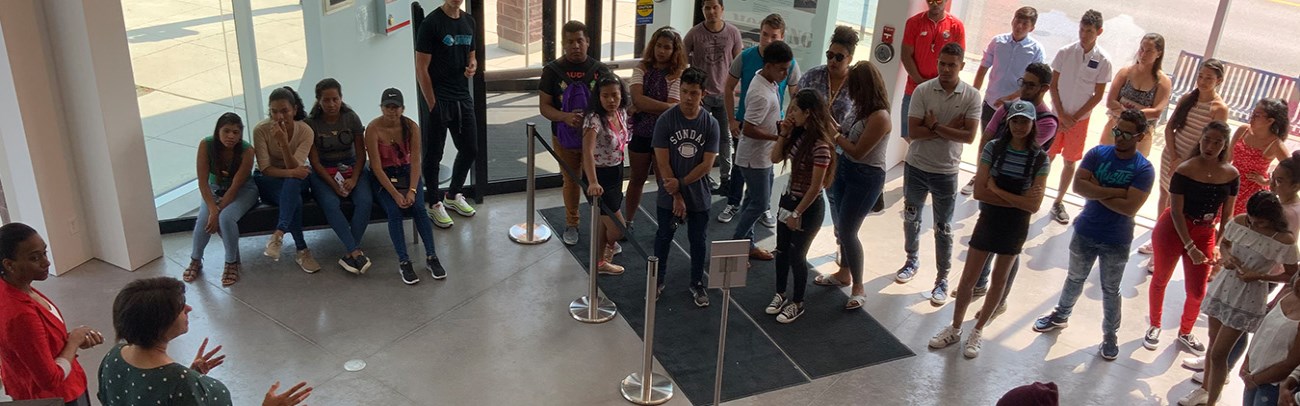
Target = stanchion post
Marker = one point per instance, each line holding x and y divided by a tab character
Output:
593	308
530	232
728	263
647	387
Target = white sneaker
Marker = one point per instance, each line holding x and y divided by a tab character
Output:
459	205
618	248
1196	398
948	336
1194	363
767	219
1149	265
438	213
973	344
969	188
728	213
1198	377
1146	249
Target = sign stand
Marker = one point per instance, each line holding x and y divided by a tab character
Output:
728	268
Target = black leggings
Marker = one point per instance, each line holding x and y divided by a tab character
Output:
792	249
458	118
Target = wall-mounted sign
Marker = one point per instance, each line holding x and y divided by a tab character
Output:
645	12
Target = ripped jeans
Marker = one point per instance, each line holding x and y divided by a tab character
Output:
917	184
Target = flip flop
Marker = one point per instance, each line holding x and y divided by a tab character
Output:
827	280
855	302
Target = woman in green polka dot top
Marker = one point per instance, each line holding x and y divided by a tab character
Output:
148	314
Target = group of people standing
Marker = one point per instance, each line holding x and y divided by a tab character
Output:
831	135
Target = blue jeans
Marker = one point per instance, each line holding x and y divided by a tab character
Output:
287	194
855	190
757	201
1083	252
697	225
245	199
1262	395
363	199
917	184
395	215
907	104
737	185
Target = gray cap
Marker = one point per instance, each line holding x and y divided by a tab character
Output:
1022	108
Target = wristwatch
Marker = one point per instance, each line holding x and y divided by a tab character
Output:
794	214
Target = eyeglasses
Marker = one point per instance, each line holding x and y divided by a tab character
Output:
1123	135
835	56
1027	85
1259	114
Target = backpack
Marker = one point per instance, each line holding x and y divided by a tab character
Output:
574	98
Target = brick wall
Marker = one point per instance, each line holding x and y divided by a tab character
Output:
511	24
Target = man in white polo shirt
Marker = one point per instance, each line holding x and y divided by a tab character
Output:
758	135
944	116
1082	70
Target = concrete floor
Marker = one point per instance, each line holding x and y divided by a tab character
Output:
497	332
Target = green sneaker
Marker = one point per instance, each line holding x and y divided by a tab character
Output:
459	205
439	216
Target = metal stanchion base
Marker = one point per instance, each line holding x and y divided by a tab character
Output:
661	389
519	234
605	310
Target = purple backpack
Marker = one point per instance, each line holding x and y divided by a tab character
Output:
574	98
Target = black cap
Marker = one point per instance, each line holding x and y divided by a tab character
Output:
392	96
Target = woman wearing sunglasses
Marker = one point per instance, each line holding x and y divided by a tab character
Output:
338	163
830	81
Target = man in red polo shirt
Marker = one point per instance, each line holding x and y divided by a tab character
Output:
923	36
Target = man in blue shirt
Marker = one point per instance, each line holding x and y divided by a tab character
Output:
1116	180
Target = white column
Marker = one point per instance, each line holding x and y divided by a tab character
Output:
893	14
85	180
1216	30
38	170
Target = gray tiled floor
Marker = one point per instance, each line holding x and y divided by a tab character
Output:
496	331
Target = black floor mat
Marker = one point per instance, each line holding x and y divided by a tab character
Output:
762	355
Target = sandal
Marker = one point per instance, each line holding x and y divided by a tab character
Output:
193	271
230	275
827	280
855	302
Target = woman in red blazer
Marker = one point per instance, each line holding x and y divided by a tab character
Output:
38	356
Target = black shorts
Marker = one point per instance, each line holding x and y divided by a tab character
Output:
1000	230
641	145
611	179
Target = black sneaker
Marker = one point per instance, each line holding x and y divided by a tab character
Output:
701	296
365	263
791	312
1109	348
1051	322
408	273
1152	338
350	264
1192	344
434	267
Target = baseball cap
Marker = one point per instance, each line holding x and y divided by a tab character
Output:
392	96
1035	394
1022	108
